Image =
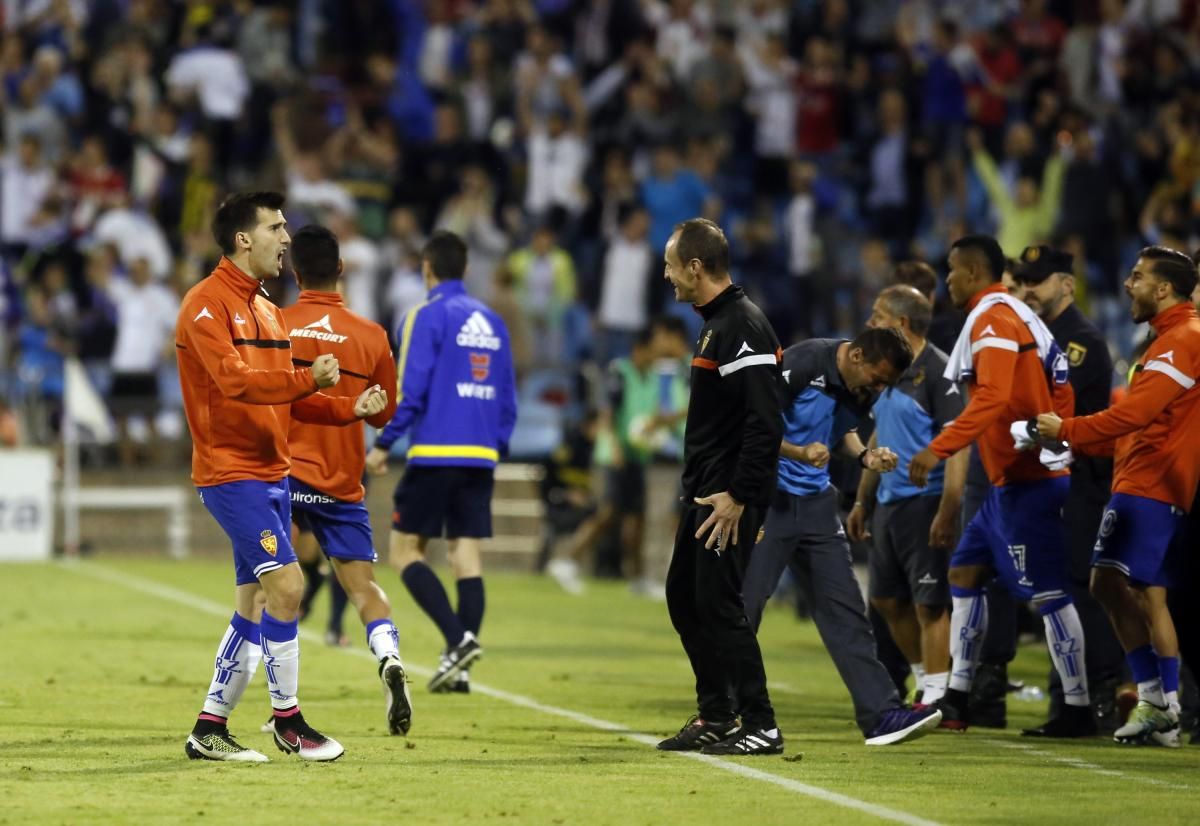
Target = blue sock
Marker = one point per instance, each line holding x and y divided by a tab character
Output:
1143	664
337	605
1168	667
470	603
427	591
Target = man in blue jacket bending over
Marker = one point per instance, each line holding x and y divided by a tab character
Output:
457	395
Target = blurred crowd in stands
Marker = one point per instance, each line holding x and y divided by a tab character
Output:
563	139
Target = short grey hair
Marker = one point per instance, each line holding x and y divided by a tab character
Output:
906	300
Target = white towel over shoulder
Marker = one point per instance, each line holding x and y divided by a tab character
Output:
961	364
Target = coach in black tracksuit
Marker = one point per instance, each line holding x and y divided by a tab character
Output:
734	428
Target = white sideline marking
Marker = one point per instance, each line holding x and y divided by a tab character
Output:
207	606
1080	763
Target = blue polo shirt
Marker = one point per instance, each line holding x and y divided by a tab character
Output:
908	417
818	407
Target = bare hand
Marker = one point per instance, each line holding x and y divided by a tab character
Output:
377	459
943	529
881	460
919	467
723	520
816	454
370	401
856	524
1049	425
325	371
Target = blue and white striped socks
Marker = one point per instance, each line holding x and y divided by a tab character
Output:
237	659
1064	638
968	627
281	661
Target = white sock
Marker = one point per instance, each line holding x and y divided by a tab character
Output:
281	661
918	673
1152	692
1064	638
383	639
1171	700
237	658
968	627
934	687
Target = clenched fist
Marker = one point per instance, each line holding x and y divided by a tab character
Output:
325	371
370	401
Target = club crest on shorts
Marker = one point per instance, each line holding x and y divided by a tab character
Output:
1076	353
269	542
481	365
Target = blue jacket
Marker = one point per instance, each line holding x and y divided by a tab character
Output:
817	407
456	389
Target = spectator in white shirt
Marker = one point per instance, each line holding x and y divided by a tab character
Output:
628	271
215	75
26	181
557	160
137	236
362	262
771	76
146	311
471	214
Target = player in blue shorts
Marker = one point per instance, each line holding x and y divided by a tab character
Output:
458	397
327	462
240	392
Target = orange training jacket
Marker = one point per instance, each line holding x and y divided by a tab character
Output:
331	459
240	389
1010	385
1152	432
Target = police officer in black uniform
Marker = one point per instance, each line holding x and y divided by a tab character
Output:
1045	282
730	456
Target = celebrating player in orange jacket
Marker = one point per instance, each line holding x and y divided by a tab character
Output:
240	392
1015	370
1151	434
328	462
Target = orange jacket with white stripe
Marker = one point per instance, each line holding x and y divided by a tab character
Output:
331	459
1009	385
1152	432
240	389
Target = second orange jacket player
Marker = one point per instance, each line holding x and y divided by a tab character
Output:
326	488
332	459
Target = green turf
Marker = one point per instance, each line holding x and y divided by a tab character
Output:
100	684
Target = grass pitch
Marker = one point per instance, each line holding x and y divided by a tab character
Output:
105	664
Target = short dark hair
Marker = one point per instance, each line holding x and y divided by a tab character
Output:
988	249
884	344
702	240
446	254
916	274
643	337
315	256
239	213
1174	267
905	300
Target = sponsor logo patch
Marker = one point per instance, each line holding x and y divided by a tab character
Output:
481	365
321	330
477	333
